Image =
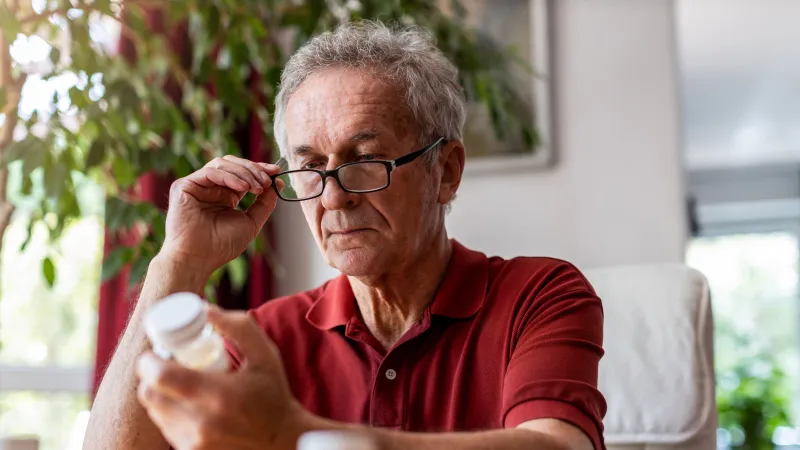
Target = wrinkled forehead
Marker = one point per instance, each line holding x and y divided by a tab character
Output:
333	105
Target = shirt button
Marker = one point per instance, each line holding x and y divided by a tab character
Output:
391	374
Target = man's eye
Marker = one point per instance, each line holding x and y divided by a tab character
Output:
311	165
366	157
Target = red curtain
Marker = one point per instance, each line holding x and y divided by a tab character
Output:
116	298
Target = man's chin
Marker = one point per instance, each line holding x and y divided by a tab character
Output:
355	261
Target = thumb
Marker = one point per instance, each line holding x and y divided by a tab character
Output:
244	333
261	208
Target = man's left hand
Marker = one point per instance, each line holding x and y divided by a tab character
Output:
247	409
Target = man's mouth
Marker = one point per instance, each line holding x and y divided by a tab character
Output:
348	232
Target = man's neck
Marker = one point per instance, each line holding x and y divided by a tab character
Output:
392	306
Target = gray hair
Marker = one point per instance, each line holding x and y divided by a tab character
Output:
409	59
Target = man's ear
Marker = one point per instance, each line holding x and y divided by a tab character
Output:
452	155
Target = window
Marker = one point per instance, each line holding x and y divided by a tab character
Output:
47	335
754	281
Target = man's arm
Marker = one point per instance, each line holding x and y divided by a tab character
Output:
204	230
118	420
540	434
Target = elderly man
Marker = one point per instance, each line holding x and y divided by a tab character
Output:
420	343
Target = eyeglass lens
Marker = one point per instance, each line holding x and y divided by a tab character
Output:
360	177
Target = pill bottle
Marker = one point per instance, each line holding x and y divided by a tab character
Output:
178	328
335	440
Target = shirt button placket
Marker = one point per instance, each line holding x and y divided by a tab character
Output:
388	397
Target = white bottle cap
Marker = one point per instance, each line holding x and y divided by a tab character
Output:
176	319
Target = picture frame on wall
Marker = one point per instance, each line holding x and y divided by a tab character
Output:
522	26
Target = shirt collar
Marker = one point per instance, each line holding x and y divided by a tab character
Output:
336	305
460	295
464	287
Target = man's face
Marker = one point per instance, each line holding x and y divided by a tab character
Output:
340	116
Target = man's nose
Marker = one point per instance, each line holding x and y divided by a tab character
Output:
335	198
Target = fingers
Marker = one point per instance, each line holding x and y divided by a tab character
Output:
153	400
224	178
259	173
245	170
261	208
243	332
168	378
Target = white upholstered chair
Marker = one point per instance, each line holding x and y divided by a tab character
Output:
657	374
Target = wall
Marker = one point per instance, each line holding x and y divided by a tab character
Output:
616	194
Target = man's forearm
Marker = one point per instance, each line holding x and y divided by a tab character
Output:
381	439
117	420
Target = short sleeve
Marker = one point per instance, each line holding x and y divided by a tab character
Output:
553	369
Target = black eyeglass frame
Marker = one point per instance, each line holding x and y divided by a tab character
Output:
390	166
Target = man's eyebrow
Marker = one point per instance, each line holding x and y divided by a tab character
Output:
365	135
361	136
302	150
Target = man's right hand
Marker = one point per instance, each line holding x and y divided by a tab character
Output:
204	229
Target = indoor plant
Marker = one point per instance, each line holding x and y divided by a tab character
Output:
170	110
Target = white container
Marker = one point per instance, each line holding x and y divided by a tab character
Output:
335	440
178	328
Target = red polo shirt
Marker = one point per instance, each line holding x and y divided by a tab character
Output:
504	342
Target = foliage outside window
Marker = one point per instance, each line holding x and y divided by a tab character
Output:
754	283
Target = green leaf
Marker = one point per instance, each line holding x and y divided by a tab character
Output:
35	155
163	159
103	6
97	152
28	233
213	20
9	25
237	270
114	262
49	271
55	178
34	118
113	212
67	208
130	215
182	167
121	214
17	150
55	55
124	173
27	185
159	227
77	98
139	269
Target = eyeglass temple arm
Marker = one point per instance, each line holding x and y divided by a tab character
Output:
414	155
278	163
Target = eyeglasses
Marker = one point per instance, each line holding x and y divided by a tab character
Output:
359	177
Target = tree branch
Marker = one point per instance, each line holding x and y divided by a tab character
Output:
13	90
